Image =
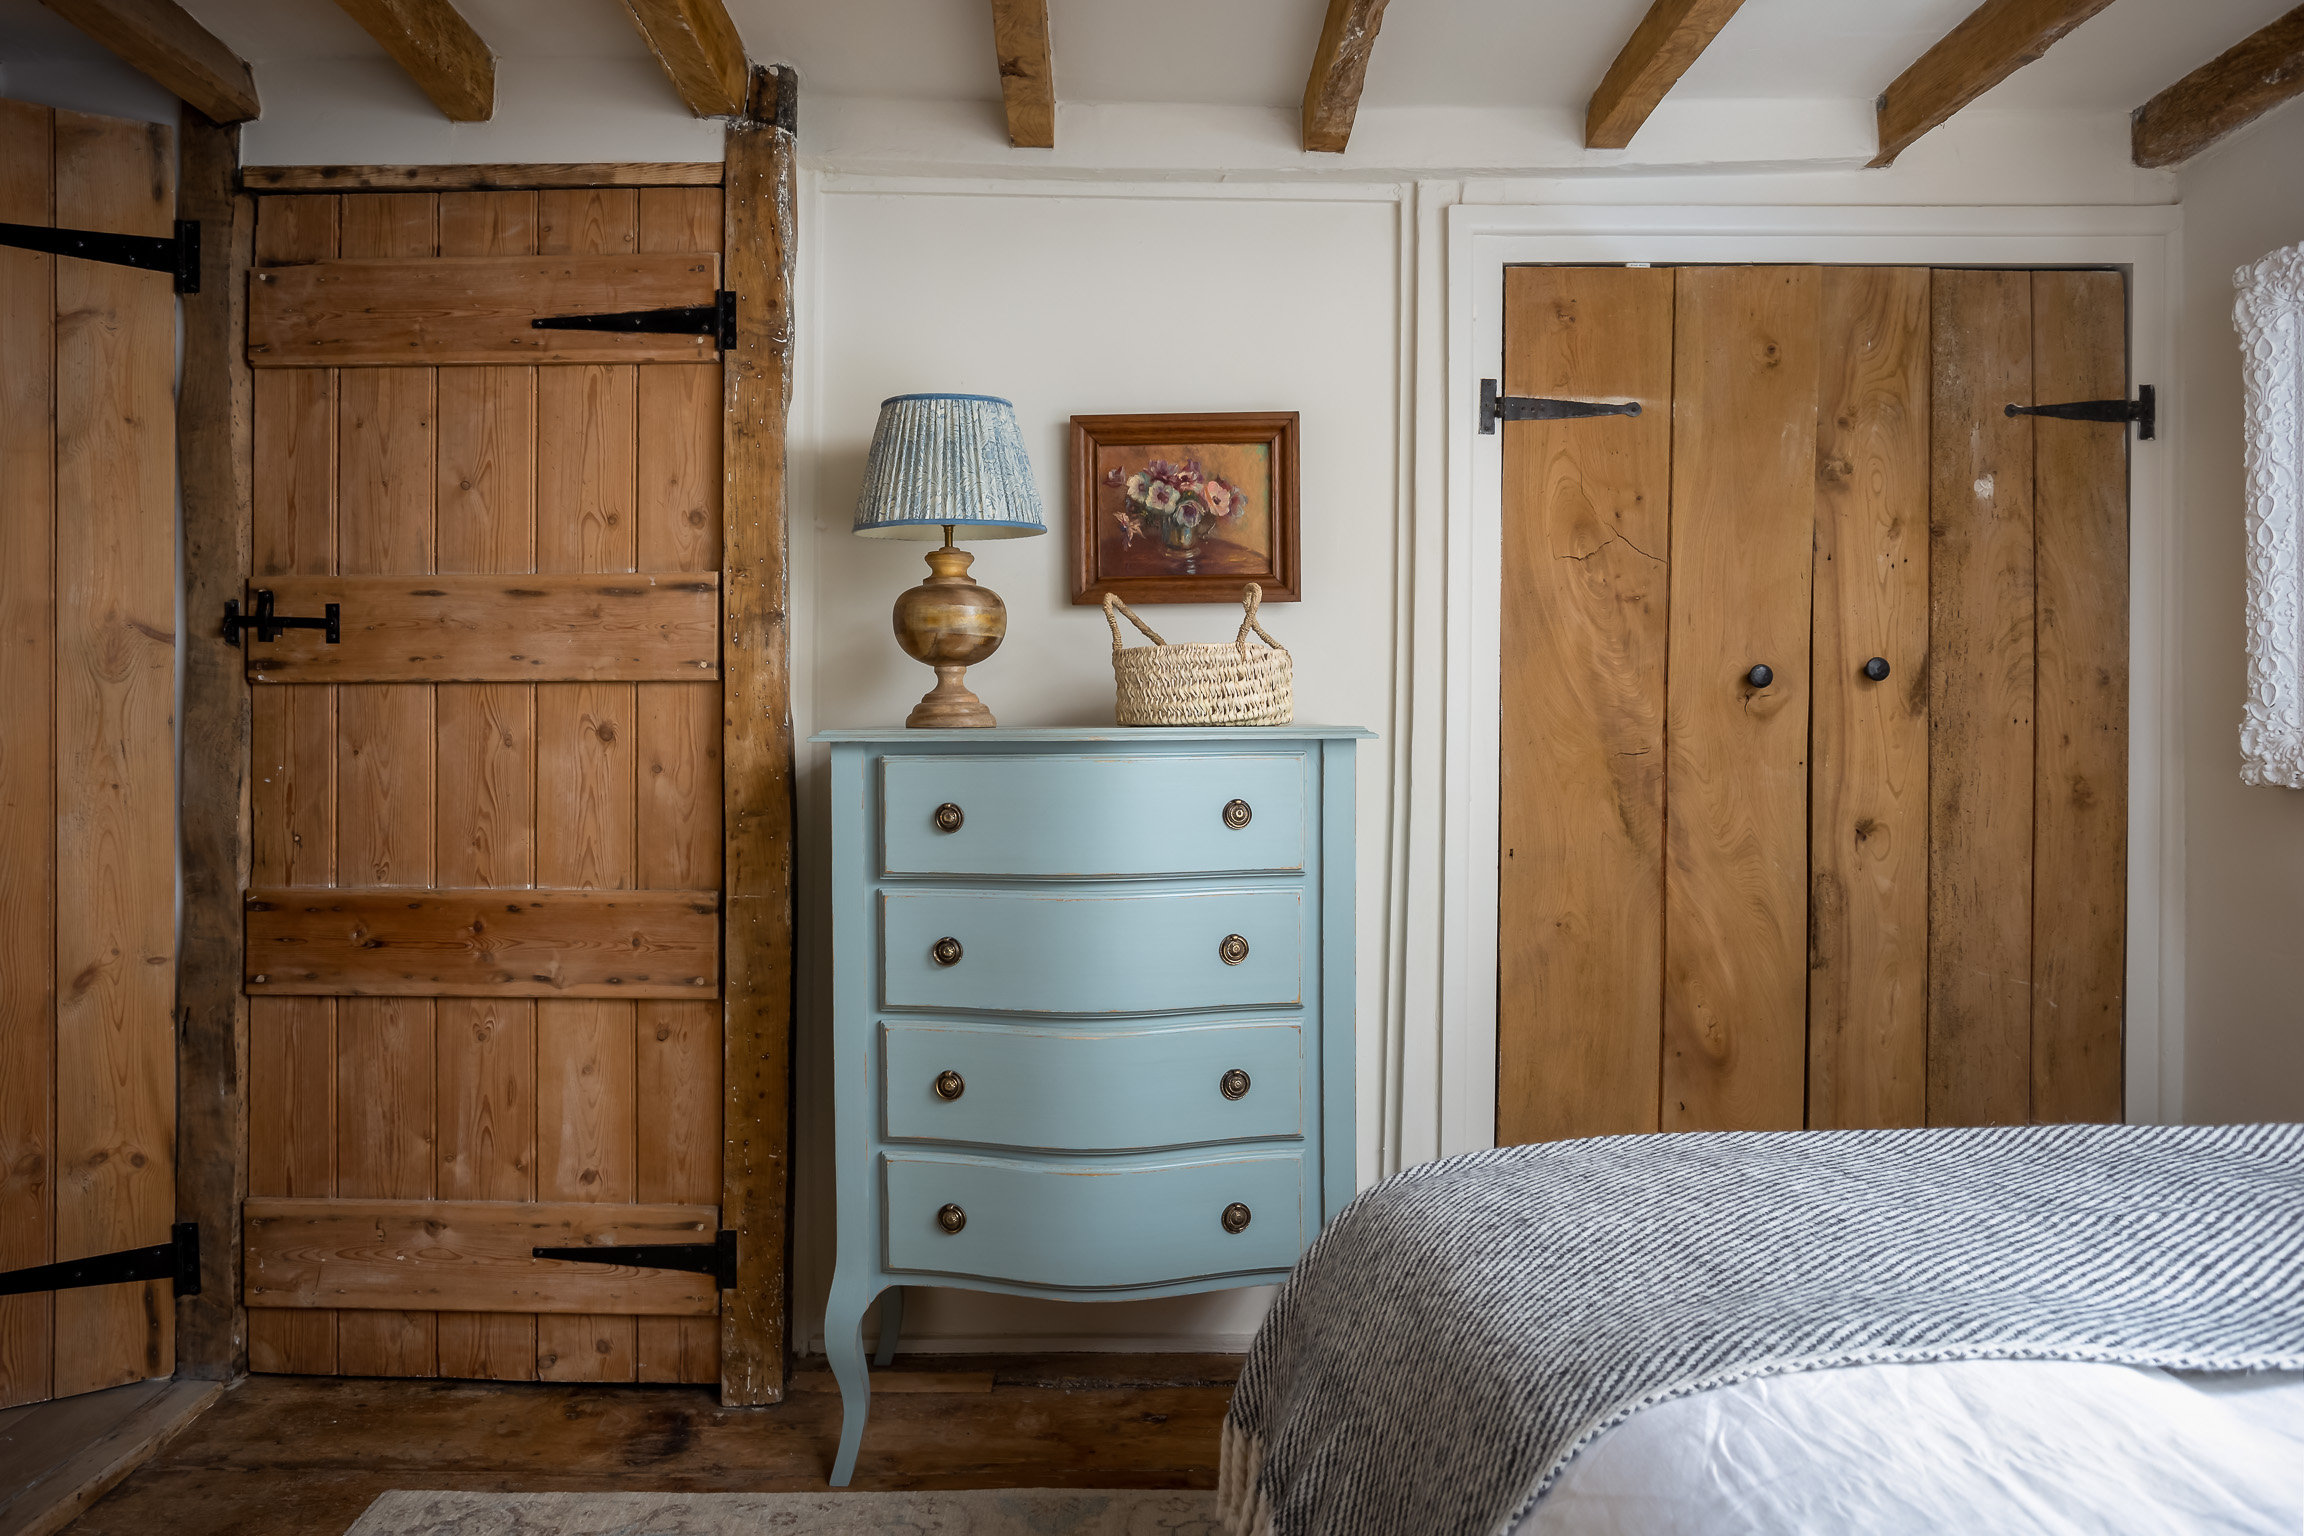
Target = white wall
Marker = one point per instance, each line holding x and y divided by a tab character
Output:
1085	300
2244	1055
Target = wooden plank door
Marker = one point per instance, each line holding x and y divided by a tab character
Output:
87	752
1852	896
1586	547
484	918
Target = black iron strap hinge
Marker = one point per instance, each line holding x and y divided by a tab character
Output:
178	255
716	320
2144	410
270	626
1495	407
177	1259
716	1258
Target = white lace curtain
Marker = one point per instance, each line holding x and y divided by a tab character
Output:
2269	316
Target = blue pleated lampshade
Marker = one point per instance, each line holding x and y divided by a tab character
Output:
941	461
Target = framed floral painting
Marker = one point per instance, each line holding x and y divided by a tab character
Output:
1185	508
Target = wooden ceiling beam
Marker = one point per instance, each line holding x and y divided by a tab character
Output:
1027	71
697	43
1668	40
1339	69
160	39
1998	38
439	50
2227	93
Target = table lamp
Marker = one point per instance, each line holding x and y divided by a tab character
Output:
941	462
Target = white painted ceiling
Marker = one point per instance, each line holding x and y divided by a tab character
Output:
1467	53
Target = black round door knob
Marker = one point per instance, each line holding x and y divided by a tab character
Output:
945	951
1233	1084
949	817
1235	1218
1877	669
951	1218
950	1085
1761	676
1233	949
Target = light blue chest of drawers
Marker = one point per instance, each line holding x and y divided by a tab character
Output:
1092	1014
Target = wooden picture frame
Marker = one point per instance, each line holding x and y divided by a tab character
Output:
1184	508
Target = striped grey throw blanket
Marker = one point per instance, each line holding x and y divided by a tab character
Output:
1462	1330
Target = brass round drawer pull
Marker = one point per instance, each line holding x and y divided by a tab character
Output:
945	951
1234	1084
1235	1217
950	1085
1232	951
952	1218
1237	814
949	817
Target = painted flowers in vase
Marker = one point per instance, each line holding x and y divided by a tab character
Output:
1176	504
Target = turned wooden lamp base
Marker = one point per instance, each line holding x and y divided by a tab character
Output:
949	704
951	623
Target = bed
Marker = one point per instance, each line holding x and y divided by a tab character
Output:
2054	1328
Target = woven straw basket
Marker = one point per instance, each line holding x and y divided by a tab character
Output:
1202	684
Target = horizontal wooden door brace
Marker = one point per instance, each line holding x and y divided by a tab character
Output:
178	255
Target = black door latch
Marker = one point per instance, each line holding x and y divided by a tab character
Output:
270	626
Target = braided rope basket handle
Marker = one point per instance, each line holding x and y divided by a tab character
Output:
1252	599
1112	601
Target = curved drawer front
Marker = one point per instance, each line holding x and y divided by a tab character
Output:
1089	816
1090	1227
1091	954
1092	1091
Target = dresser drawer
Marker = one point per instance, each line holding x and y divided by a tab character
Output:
1061	1090
1089	1225
1017	953
1091	816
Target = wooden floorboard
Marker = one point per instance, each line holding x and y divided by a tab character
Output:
305	1455
59	1457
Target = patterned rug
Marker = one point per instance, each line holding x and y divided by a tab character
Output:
993	1512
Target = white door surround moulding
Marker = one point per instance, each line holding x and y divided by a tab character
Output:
1481	240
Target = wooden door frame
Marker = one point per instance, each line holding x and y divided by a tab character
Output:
1446	931
216	454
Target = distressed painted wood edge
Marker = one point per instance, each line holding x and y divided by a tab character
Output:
757	762
215	455
478	178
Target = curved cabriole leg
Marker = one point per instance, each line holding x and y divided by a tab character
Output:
844	1348
891	1323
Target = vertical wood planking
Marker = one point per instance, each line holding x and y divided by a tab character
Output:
1581	872
116	751
387	479
1980	706
27	749
587	430
2080	797
756	680
486	811
292	789
677	528
1743	533
1868	831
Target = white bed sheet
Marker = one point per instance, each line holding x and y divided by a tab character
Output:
2055	1447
